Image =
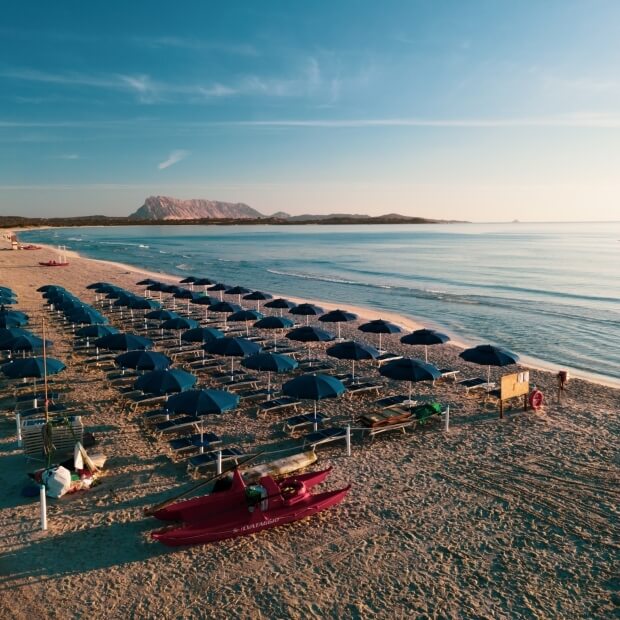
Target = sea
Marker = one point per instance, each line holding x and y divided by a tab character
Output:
548	291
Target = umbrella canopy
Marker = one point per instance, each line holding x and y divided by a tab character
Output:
188	280
33	367
202	402
232	347
156	286
411	370
426	337
309	333
337	316
238	290
179	322
245	315
314	387
95	331
225	307
202	334
270	362
143	360
7	292
274	322
257	296
203	300
86	316
97	285
106	287
379	326
123	342
10	319
185	293
146	282
203	282
160	382
142	303
489	355
50	287
162	314
354	351
12	332
281	304
218	286
5	300
306	310
24	342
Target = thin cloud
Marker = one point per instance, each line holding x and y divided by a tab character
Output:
174	158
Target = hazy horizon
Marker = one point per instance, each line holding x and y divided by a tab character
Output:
481	111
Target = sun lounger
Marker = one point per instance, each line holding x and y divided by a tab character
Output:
391	401
278	404
209	459
247	381
207	363
360	388
477	383
324	436
303	420
257	394
193	443
449	373
146	400
315	365
384	358
182	424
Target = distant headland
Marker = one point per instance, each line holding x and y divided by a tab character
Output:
158	210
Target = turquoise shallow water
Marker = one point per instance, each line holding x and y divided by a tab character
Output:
549	291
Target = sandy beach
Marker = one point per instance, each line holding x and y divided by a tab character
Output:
511	518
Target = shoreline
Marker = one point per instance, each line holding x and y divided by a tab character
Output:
363	312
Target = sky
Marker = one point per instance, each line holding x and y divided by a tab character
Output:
485	110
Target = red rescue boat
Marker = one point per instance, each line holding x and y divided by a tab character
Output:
245	509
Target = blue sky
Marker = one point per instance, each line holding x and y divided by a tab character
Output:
481	110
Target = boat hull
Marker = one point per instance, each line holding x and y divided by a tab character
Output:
244	523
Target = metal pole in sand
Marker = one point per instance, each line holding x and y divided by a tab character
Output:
219	462
18	422
348	437
447	419
43	499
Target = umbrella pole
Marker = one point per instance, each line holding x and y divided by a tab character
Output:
232	368
247	329
380	334
269	385
426	354
353	371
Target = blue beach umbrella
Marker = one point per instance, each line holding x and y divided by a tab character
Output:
7	292
337	316
308	334
314	387
162	314
95	331
50	287
202	402
202	334
32	367
489	355
232	347
86	316
275	323
219	287
354	351
258	296
146	282
270	362
306	310
411	370
8	333
23	343
238	290
123	342
5	300
160	382
205	301
280	304
9	318
143	360
179	322
225	308
142	303
245	316
379	326
426	337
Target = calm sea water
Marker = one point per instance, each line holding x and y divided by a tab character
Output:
549	291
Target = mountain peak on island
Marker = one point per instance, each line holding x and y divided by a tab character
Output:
168	208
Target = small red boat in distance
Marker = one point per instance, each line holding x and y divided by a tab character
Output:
54	263
244	510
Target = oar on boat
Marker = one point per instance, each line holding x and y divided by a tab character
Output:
153	509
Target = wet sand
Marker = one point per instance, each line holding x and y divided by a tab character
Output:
494	519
